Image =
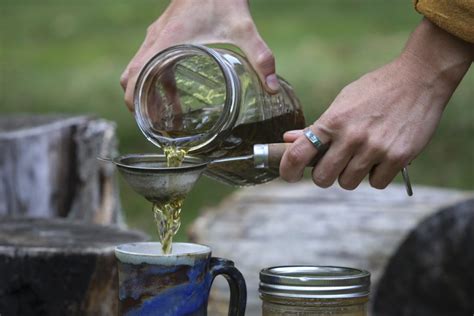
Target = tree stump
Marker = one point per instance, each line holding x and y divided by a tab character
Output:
49	168
279	223
432	272
59	267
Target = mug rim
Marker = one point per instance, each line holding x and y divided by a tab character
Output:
127	255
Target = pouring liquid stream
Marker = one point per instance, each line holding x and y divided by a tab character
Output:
167	213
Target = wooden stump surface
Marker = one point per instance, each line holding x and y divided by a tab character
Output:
280	223
59	267
49	168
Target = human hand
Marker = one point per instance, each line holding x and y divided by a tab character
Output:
203	22
378	124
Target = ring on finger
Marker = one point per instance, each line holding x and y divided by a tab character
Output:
317	143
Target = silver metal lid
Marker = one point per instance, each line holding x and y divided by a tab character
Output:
314	282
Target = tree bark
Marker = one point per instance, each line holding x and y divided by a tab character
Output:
59	267
49	168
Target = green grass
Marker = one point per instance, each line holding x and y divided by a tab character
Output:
67	56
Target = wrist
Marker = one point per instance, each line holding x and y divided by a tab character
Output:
210	2
437	56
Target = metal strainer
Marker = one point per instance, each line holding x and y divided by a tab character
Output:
149	176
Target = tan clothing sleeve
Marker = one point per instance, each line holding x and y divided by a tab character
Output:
454	16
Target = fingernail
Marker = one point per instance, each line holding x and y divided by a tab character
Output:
272	82
293	132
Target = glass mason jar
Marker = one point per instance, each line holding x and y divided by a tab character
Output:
314	290
210	102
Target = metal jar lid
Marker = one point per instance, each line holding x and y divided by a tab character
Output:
314	282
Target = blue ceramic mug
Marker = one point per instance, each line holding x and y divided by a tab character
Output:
153	283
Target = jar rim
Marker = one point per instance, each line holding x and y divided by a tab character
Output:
231	81
308	281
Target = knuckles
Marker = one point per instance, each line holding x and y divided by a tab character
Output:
266	61
124	80
134	68
399	158
244	27
296	156
293	162
150	30
376	148
362	167
331	122
356	138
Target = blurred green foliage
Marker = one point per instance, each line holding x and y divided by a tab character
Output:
67	56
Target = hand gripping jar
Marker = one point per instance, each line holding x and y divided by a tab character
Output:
210	102
314	291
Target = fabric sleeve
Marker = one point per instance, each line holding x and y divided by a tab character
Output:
454	16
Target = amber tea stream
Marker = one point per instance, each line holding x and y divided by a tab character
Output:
238	142
167	213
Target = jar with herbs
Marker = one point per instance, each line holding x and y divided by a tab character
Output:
209	102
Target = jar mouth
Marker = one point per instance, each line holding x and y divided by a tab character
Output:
306	281
197	137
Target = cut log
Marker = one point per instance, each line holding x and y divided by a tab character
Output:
59	267
279	223
49	168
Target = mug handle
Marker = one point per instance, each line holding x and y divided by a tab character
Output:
238	289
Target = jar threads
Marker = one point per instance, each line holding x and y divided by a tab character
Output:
314	290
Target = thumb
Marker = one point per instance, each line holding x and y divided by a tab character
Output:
261	58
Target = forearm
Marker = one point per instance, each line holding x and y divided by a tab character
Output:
437	56
211	6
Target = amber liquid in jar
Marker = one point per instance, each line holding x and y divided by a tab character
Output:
211	103
315	307
239	142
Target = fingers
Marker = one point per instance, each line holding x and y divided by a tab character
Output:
382	175
299	155
124	79
349	159
130	75
296	158
291	136
128	80
332	164
356	170
260	56
129	91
